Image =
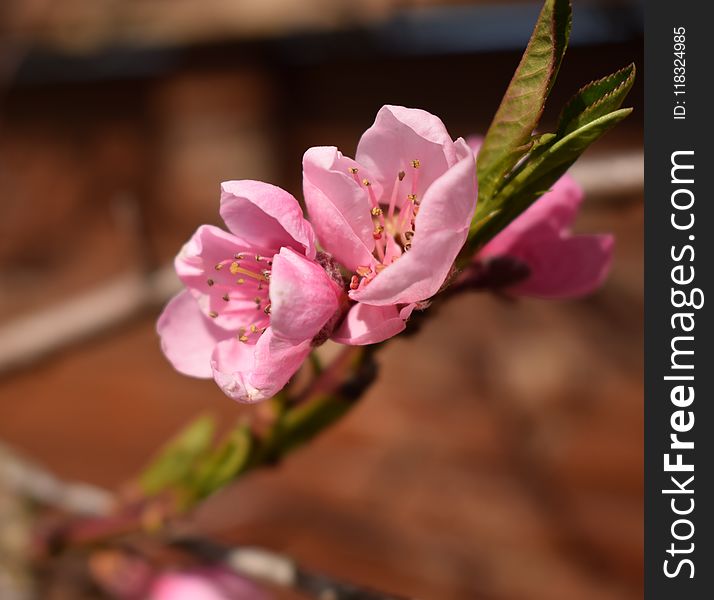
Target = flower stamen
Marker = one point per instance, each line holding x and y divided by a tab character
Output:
393	199
236	268
251	271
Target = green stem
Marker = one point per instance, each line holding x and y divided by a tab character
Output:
327	399
330	397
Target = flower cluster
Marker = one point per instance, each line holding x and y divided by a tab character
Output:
384	231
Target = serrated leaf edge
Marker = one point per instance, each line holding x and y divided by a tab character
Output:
564	127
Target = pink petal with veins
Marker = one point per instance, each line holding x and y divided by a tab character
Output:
365	324
188	336
338	205
265	216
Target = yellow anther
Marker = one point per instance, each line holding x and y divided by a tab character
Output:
241	281
353	170
218	267
363	271
415	163
376	211
213	314
236	268
366	183
411	197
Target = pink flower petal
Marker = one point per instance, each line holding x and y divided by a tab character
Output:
185	587
474	142
451	202
339	206
407	311
188	337
203	584
441	229
365	324
207	247
400	135
265	216
302	297
250	373
563	266
559	207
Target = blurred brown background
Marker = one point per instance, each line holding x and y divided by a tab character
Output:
499	456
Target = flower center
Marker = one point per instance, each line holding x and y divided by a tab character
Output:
238	290
393	231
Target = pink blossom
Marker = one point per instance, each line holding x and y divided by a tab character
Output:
203	584
559	264
130	576
255	298
396	216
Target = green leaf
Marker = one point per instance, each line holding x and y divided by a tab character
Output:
223	464
509	136
596	99
179	456
540	173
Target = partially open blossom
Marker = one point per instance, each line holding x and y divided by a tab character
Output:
203	584
128	576
255	298
558	263
396	216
